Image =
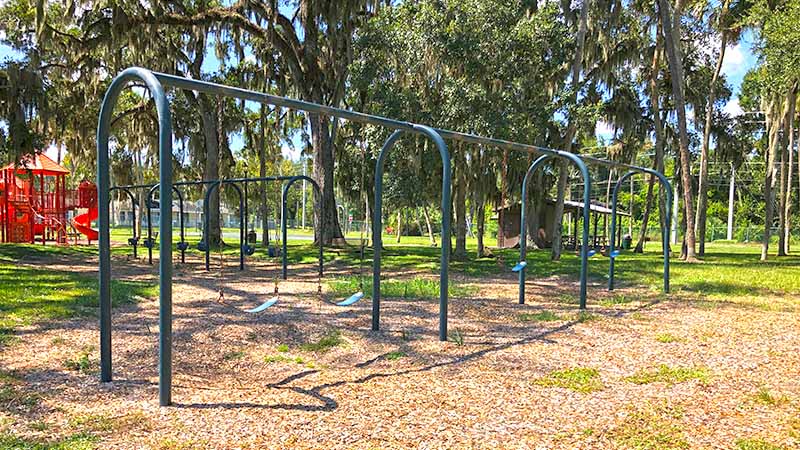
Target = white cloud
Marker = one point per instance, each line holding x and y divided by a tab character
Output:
732	108
734	61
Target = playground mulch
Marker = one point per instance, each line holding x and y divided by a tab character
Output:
638	371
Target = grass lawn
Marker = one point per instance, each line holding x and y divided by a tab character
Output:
35	294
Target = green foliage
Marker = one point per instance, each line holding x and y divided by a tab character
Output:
578	379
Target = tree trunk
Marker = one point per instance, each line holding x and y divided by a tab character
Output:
431	236
461	210
646	216
611	174
209	120
787	144
789	180
785	192
773	125
702	190
399	231
325	216
563	173
671	33
480	219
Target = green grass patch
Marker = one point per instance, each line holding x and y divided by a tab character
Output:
329	340
391	356
269	359
666	338
578	379
765	397
416	288
98	423
586	316
670	375
543	316
616	300
234	355
80	441
651	427
31	295
82	362
756	444
283	348
456	337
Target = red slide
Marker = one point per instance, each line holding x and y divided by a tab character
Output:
83	223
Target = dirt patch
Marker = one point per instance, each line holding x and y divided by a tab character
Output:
250	381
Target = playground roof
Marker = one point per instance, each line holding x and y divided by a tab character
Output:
39	164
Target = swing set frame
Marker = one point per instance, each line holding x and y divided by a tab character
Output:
155	83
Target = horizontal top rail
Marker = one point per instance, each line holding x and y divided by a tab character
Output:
244	94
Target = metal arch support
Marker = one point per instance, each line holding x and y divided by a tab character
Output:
587	181
284	198
156	90
133	212
377	225
665	232
211	187
150	226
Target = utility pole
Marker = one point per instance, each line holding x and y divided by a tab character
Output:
731	190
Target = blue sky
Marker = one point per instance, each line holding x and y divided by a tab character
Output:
738	60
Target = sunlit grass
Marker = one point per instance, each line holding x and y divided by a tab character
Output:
34	294
416	288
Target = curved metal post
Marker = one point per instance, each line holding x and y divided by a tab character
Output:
284	198
135	239
180	208
587	192
165	263
665	232
377	225
523	232
206	225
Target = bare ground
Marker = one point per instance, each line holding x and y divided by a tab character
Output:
401	387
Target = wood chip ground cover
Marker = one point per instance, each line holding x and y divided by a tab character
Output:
308	374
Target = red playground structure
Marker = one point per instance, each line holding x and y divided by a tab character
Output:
34	202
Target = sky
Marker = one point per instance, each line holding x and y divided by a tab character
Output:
738	60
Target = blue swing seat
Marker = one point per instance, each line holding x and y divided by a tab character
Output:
591	253
263	306
520	265
352	299
614	254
